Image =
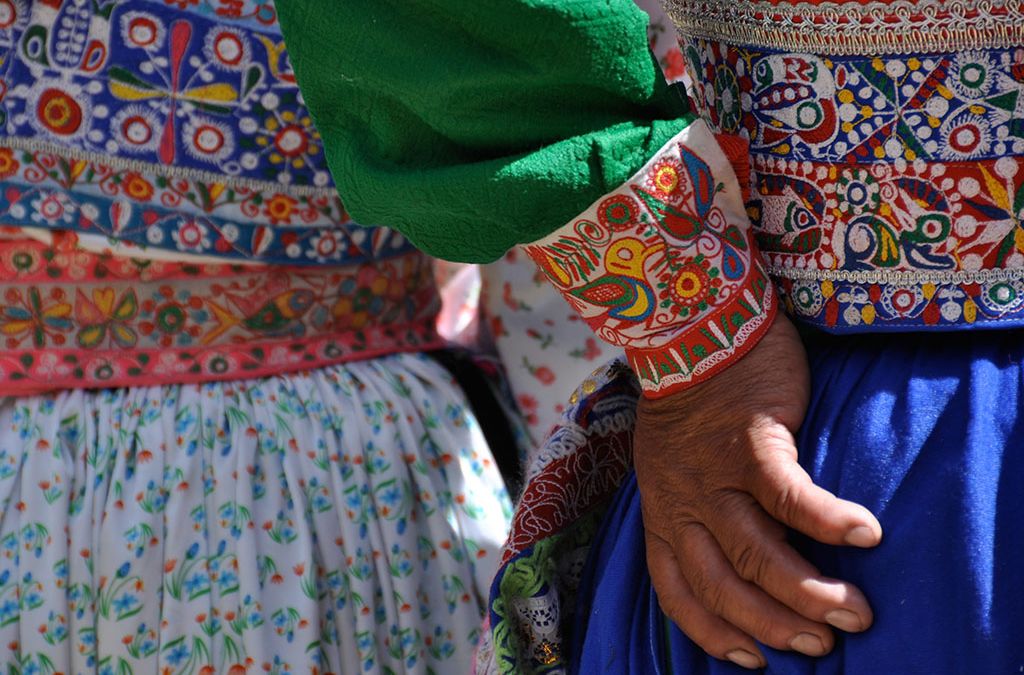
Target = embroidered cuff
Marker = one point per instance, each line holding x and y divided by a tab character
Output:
666	266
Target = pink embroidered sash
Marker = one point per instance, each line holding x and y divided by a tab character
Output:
75	318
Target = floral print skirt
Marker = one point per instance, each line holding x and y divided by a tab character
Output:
344	520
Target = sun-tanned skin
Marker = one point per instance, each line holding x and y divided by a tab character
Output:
719	482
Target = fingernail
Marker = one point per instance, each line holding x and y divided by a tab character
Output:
809	644
741	657
862	536
844	619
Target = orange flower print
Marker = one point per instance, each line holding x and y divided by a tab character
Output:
280	209
137	187
8	164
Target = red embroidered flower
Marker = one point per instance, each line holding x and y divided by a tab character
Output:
544	375
673	64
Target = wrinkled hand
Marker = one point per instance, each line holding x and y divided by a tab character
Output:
718	476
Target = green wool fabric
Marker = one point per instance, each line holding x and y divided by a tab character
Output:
474	125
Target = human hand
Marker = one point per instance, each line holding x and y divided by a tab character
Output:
717	470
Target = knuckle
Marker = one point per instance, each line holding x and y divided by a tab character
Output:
785	502
712	594
804	603
751	563
775	634
675	610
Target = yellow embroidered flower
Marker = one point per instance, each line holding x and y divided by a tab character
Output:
280	208
8	164
137	187
105	314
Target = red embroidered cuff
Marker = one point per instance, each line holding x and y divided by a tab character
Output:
666	266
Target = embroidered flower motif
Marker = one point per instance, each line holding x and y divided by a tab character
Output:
43	318
692	286
664	177
327	245
208	140
279	209
53	208
191	236
902	301
857	192
135	129
20	261
59	109
967	135
101	315
137	187
619	212
227	48
972	76
142	30
8	164
286	138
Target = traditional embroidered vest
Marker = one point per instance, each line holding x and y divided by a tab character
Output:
887	145
167	211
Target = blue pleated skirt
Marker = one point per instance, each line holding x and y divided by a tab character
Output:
926	432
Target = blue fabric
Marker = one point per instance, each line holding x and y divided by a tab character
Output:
925	432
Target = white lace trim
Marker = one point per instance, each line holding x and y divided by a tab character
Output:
900	27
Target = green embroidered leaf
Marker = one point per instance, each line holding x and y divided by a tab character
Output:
124	76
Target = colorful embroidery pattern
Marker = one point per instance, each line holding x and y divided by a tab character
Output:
70	318
126	202
936	244
344	520
163	86
285	514
873	27
569	479
665	266
890	189
168	129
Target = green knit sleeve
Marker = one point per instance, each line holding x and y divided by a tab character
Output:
473	126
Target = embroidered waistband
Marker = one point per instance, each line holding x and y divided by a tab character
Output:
900	27
850	301
900	277
71	318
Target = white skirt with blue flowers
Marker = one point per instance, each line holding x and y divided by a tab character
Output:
345	520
